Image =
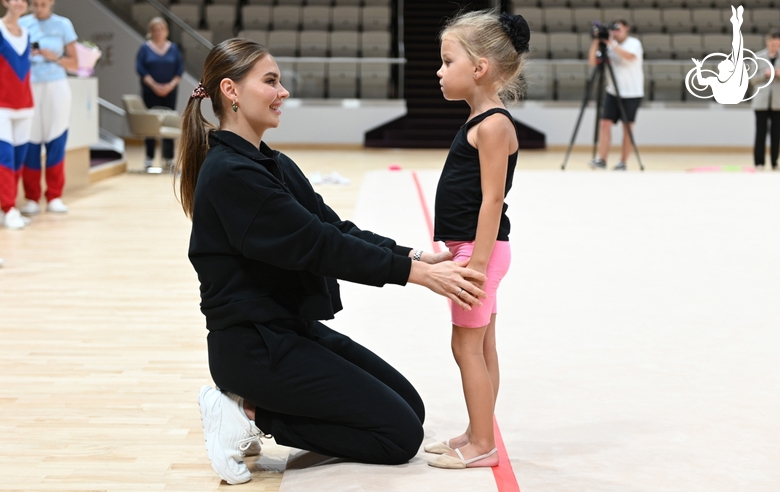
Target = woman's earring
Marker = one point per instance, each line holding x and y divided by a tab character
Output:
235	107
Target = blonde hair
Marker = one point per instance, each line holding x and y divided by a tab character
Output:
482	35
152	22
231	59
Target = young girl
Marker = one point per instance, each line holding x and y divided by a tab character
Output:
482	55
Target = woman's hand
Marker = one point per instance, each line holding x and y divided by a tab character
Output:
453	280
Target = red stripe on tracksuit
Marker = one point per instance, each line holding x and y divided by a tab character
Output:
55	169
10	170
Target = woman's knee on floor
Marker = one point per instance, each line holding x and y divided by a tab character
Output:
406	440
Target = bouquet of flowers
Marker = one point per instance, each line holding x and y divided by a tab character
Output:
88	54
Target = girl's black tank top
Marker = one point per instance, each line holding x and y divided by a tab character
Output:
459	193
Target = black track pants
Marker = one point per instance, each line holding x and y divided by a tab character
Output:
762	117
316	389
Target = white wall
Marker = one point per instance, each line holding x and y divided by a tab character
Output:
661	124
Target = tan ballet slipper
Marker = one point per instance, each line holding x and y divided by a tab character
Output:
438	447
453	463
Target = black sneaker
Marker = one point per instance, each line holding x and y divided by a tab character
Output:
598	163
620	167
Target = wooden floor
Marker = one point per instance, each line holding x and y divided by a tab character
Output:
103	346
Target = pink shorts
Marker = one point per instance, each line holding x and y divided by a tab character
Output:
497	267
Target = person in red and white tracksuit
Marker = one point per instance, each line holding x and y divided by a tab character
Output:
16	108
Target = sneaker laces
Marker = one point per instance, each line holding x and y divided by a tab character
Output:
244	444
254	436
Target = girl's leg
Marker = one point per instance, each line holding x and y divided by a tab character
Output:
491	355
491	361
467	347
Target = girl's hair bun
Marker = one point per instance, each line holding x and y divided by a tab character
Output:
518	31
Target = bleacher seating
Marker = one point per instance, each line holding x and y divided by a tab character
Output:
221	20
256	17
673	30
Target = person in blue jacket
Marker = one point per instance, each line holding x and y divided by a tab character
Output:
159	64
268	251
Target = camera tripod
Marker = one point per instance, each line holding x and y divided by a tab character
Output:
602	60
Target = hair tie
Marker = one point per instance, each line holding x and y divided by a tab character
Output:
199	92
518	31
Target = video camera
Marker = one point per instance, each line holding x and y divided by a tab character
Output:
602	32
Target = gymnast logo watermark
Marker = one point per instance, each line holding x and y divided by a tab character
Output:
730	84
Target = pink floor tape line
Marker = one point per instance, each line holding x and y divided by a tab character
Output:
503	473
719	169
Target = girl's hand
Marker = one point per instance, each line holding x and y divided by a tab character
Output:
434	258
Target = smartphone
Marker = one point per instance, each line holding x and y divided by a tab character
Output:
35	45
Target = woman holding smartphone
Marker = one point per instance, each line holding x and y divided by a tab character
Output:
54	51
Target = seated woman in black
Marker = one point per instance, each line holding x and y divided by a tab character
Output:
267	251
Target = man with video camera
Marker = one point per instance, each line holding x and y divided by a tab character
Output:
624	53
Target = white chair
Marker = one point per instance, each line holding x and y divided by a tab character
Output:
585	17
657	46
311	80
375	44
668	84
151	123
346	18
564	45
283	43
190	14
342	80
221	19
313	43
558	19
677	20
647	20
540	45
374	80
256	35
316	17
286	18
256	17
376	18
708	21
539	81
571	80
344	43
686	46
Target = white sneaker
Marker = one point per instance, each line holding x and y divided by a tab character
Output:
30	208
56	206
228	432
14	220
315	178
337	178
